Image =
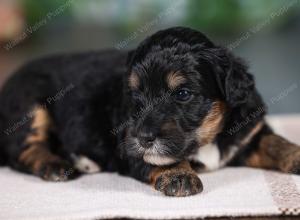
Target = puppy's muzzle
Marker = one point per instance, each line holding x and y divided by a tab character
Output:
146	139
150	144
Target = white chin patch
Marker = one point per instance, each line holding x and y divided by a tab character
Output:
158	160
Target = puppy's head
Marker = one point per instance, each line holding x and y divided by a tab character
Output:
180	87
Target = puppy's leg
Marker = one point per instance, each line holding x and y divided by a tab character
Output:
274	152
177	180
37	157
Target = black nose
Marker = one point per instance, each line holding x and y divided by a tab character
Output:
147	139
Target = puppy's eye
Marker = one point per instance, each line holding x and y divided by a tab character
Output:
183	95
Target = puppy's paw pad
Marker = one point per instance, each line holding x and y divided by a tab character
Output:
179	184
57	171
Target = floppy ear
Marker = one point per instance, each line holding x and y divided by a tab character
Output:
130	55
233	78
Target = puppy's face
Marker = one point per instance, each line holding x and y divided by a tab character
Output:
176	104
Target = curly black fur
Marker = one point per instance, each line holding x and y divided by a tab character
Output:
115	125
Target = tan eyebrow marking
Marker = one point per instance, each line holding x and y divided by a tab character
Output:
174	79
133	81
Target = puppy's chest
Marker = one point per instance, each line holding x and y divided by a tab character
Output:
211	157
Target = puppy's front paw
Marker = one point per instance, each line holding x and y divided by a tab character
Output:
295	165
179	184
57	171
291	164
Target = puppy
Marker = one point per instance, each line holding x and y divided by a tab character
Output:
175	106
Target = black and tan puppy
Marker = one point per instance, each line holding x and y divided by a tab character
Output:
162	113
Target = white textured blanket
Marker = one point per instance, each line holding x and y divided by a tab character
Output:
228	192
